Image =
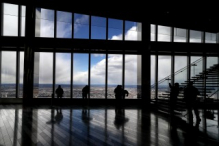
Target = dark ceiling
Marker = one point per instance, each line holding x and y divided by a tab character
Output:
199	16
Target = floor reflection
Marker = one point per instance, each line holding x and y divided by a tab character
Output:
102	126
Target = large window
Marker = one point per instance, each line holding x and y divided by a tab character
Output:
133	76
180	35
97	76
195	36
98	27
80	73
63	73
180	69
115	29
43	75
153	34
153	77
164	70
64	25
164	33
210	37
115	68
8	74
21	75
10	20
44	26
81	26
133	31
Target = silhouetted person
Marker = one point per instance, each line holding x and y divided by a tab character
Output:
85	92
119	94
174	92
59	92
190	97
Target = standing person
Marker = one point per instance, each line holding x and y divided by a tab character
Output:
59	92
174	92
119	93
85	92
190	97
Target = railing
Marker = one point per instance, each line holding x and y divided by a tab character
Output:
206	81
177	72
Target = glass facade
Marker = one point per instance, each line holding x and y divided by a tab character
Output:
102	69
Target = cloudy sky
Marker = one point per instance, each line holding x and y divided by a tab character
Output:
45	28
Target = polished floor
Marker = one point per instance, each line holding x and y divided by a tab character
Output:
102	125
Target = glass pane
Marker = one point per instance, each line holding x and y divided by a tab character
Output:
212	81
164	33
195	36
8	74
97	76
98	27
133	76
152	76
153	32
23	21
164	70
44	23
10	20
63	73
21	75
114	73
64	25
196	65
133	31
43	75
115	29
180	69
210	37
80	73
81	26
179	35
211	61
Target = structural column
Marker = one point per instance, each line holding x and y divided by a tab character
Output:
146	73
28	53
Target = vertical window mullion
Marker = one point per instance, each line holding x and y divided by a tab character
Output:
17	73
73	26
106	79
71	94
19	21
123	30
123	70
89	65
89	27
55	23
54	73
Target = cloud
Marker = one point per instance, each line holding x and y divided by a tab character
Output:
84	19
131	34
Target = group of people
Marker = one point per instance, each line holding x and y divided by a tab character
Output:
190	98
120	93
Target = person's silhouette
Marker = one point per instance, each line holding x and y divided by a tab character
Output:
190	97
59	92
174	92
119	94
85	91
